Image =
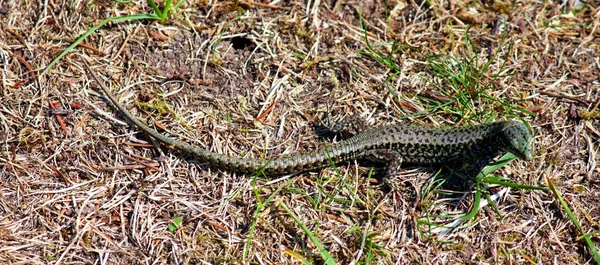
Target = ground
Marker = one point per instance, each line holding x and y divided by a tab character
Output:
78	185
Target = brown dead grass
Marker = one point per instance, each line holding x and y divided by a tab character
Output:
94	191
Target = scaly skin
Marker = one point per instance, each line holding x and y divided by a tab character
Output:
393	144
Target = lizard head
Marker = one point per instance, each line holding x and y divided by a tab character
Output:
519	139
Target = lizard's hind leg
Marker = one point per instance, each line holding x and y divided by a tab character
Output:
392	161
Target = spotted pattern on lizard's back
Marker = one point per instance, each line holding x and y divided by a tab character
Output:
391	144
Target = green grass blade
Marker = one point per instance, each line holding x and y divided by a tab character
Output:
508	157
327	258
157	10
91	30
505	159
259	208
344	183
490	201
480	191
181	2
512	184
474	208
165	11
586	236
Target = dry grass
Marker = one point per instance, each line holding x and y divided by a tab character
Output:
94	191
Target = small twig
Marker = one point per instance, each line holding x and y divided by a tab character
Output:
595	105
222	228
265	113
139	145
436	95
91	48
30	70
60	174
125	167
556	95
56	107
256	4
60	111
159	36
81	122
76	105
337	218
145	164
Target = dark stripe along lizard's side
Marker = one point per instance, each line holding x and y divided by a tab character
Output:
393	144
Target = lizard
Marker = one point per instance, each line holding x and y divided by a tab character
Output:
392	144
